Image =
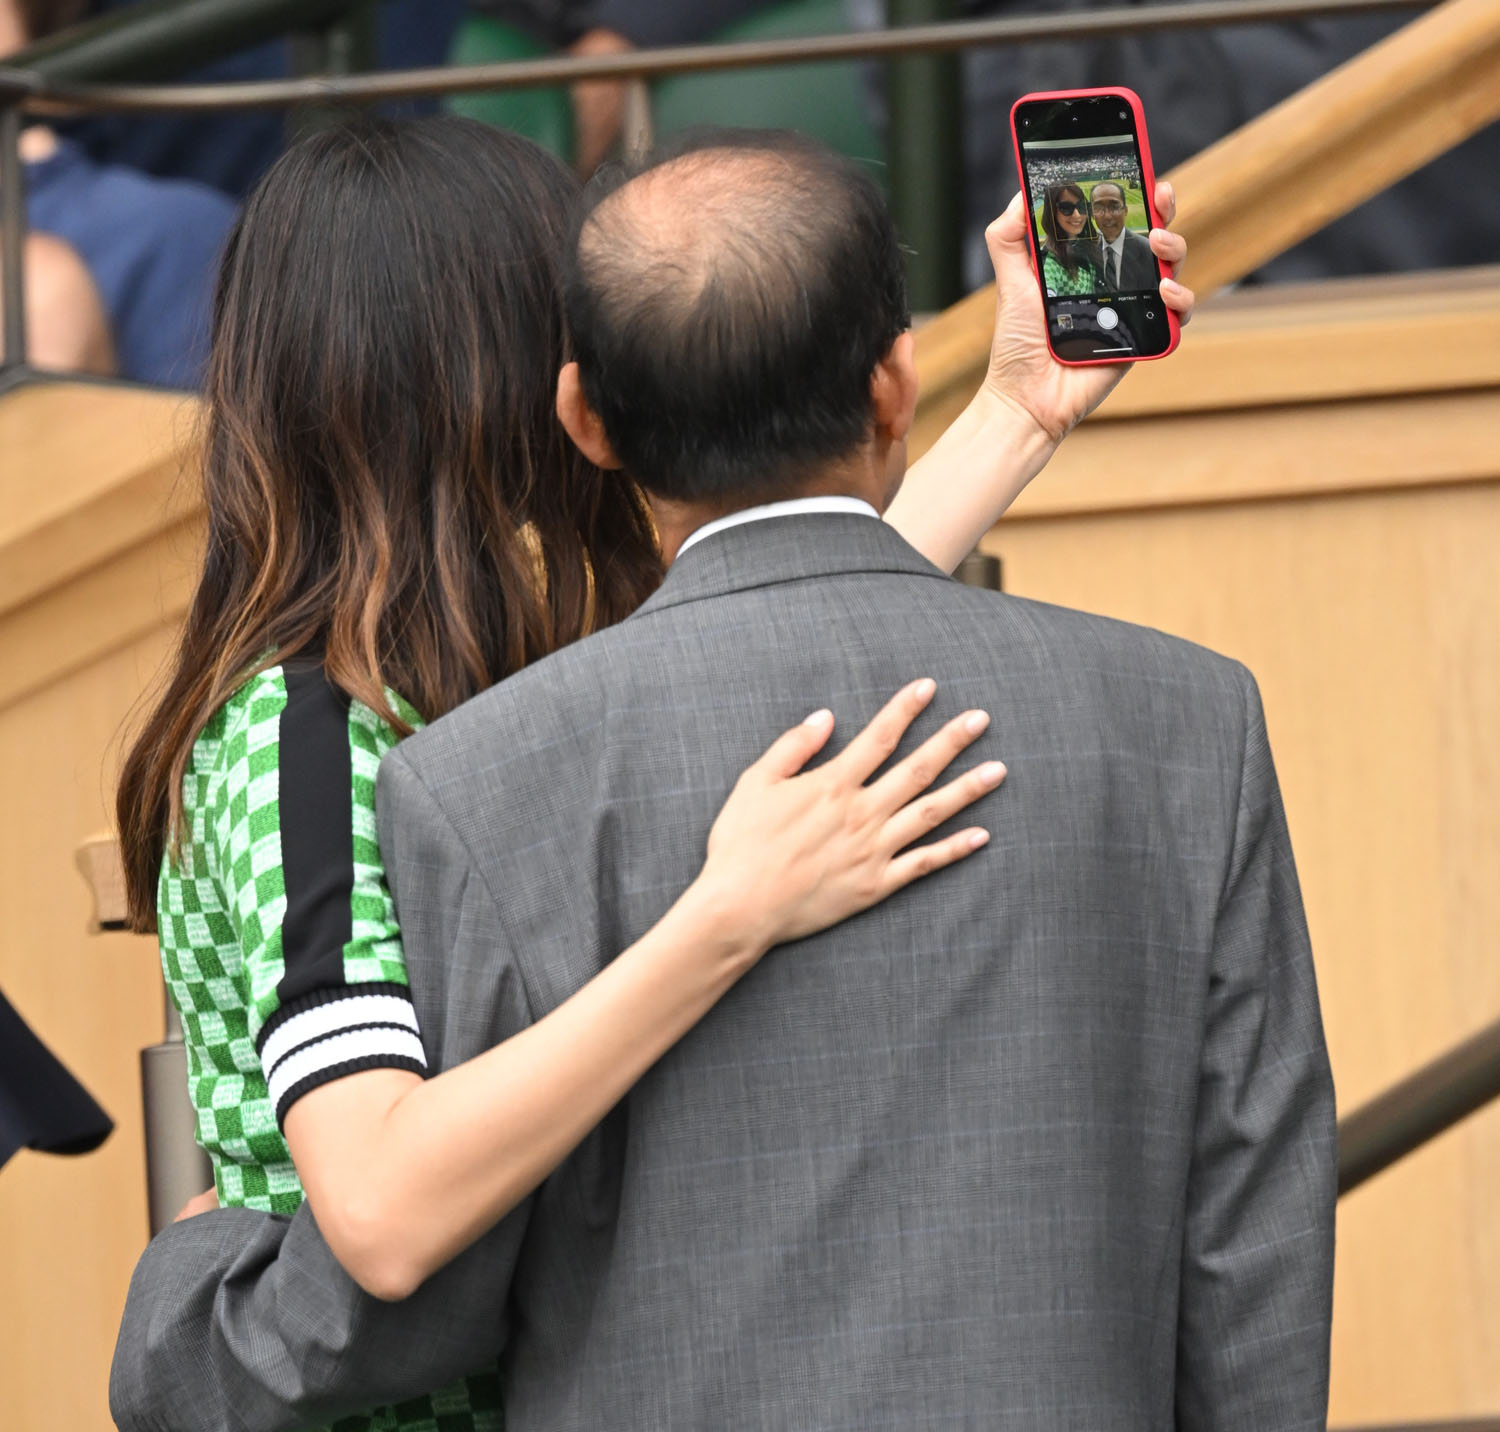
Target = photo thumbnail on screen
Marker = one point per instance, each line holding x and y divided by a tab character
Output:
1089	208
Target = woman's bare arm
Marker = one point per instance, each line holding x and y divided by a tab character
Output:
1026	406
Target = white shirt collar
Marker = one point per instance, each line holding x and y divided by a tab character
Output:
1118	245
780	509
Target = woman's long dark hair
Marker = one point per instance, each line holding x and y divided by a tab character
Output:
1065	248
385	478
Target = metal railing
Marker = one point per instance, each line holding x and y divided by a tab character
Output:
1419	1108
157	39
77	73
50	81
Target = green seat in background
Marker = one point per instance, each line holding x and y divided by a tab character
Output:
545	115
823	100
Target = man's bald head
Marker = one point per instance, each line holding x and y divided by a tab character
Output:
729	305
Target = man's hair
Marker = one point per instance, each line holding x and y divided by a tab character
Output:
1114	184
727	318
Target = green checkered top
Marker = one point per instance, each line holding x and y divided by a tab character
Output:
1083	281
281	949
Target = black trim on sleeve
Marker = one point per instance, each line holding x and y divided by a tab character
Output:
381	1028
329	1073
316	808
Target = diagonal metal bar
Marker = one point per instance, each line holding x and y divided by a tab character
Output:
157	39
649	64
1419	1108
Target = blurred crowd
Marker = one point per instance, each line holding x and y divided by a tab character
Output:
129	213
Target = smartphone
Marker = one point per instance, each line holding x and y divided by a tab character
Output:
1085	167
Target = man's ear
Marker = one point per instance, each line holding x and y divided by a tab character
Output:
581	422
893	389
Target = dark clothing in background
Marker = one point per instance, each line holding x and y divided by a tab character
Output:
42	1106
645	23
231	151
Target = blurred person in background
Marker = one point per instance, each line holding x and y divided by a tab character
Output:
613	27
232	149
150	245
67	330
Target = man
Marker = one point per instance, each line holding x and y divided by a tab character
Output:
1125	258
613	27
1046	1142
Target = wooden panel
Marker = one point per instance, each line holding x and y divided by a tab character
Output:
77	622
74	1225
1294	343
1372	621
101	468
97	549
1211	457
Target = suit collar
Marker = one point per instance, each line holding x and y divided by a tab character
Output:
786	549
789	508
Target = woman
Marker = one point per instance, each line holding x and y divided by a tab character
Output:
396	521
1067	268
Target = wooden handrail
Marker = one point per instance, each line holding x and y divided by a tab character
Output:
1340	141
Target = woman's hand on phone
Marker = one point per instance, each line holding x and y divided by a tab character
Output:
1022	372
793	852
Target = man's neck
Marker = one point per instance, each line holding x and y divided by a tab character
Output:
677	521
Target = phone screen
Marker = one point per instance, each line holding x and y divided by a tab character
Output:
1085	191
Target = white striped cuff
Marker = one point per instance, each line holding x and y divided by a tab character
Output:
344	1036
346	1012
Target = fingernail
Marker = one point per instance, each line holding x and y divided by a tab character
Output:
992	772
976	721
925	688
819	718
978	838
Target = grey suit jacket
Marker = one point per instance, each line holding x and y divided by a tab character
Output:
1045	1142
1138	271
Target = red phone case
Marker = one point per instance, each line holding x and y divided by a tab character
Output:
1148	178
